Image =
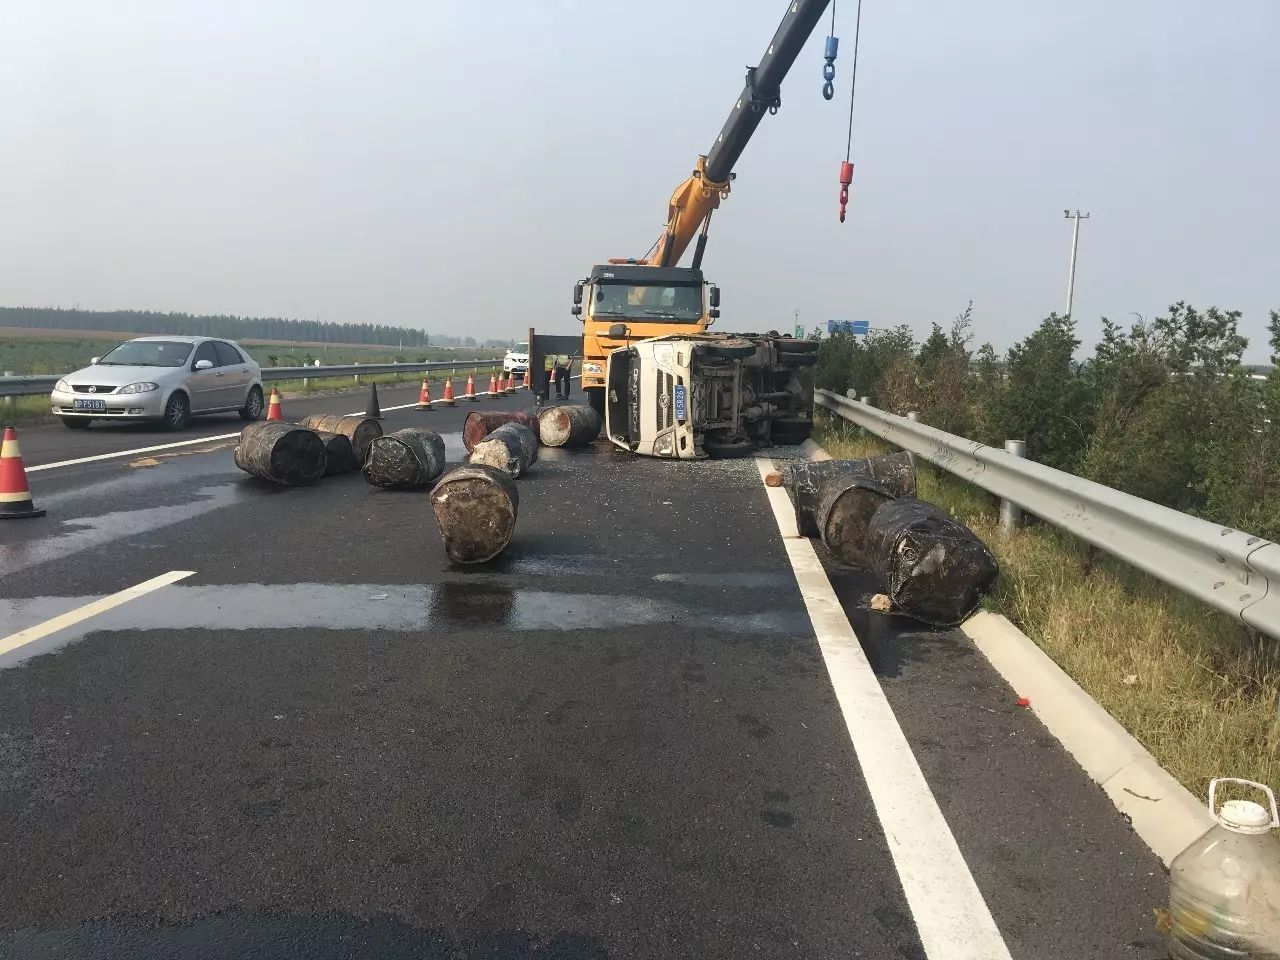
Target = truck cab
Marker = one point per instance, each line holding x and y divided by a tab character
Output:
622	303
689	396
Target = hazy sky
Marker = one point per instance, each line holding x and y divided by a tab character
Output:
456	166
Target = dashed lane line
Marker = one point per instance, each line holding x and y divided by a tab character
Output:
72	617
133	452
950	914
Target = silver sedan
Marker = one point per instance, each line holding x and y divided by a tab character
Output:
169	379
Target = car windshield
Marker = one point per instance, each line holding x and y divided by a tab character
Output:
520	348
148	353
682	304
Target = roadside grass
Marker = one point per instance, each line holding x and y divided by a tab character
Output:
1193	686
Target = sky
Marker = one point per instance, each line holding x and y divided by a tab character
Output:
456	166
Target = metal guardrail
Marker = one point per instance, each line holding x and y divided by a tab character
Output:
37	385
1230	570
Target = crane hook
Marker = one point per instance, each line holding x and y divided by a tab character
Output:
829	68
846	179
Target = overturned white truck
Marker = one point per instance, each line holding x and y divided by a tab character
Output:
710	395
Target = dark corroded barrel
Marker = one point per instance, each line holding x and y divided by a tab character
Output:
844	508
361	431
475	508
480	424
408	459
338	455
568	425
512	448
894	471
280	452
932	567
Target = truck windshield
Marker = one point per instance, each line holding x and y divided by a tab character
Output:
682	304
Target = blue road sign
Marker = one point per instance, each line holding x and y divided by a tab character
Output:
859	328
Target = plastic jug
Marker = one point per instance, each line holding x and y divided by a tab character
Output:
1224	893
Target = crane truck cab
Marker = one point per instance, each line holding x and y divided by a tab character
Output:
689	396
621	303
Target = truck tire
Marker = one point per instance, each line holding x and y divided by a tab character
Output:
727	350
595	399
795	361
791	346
728	449
791	430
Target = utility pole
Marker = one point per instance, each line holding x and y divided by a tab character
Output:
796	328
1075	243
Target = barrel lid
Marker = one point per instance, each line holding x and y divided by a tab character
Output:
1244	816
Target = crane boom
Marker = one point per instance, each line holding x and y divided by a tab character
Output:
695	199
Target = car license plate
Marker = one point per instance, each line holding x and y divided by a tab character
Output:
78	404
681	406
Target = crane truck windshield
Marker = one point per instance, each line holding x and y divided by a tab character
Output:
682	304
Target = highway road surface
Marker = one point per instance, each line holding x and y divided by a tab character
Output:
654	728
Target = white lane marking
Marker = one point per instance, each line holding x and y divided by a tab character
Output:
72	617
950	914
129	453
406	406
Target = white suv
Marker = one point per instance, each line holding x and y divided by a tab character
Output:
517	359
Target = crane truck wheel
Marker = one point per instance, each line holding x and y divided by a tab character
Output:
728	449
595	398
790	430
728	350
791	346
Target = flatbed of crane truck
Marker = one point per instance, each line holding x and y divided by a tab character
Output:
619	740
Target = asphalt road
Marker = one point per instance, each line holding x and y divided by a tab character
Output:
618	740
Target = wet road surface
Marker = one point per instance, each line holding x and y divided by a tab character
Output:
618	740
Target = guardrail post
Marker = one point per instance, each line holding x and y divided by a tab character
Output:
913	416
8	401
1010	512
865	401
851	394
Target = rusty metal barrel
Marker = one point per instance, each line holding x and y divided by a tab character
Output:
844	508
476	508
568	425
338	455
512	448
932	567
480	423
408	459
360	430
281	452
894	471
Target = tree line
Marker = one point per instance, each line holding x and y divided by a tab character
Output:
1164	409
215	325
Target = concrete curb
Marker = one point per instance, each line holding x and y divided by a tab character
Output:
1165	814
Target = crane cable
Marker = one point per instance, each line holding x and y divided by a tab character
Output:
846	168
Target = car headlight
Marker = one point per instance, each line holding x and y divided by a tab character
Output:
145	387
62	386
665	445
592	368
664	354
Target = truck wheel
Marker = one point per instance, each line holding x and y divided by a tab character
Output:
728	449
791	430
727	350
795	361
595	398
791	346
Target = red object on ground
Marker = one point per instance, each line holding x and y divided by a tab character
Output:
470	393
15	495
1024	701
273	406
424	398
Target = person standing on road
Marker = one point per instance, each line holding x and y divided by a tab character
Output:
562	367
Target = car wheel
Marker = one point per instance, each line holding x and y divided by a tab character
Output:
727	350
177	412
252	408
728	449
76	423
792	346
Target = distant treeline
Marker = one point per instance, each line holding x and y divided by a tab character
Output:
233	328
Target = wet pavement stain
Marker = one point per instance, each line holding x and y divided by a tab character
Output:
431	607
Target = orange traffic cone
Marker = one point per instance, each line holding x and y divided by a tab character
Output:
493	384
471	389
511	384
424	398
15	495
447	399
273	406
527	380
